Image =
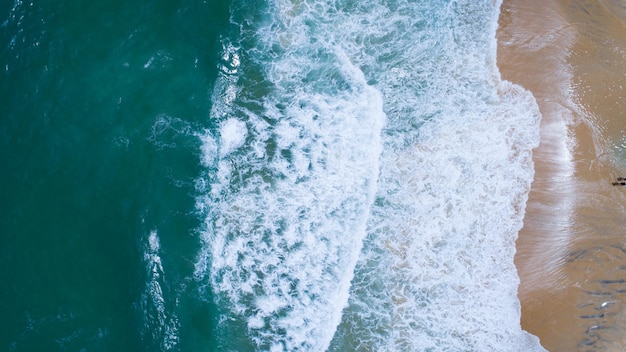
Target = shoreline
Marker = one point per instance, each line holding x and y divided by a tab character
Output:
570	254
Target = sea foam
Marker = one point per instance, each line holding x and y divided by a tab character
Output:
374	132
291	182
161	324
437	271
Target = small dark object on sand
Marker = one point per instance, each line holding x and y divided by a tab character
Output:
621	181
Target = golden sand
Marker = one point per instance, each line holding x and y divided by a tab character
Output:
571	253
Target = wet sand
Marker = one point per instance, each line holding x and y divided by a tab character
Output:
571	253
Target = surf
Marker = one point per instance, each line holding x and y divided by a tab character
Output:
366	173
288	192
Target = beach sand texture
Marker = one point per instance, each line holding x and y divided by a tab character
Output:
571	253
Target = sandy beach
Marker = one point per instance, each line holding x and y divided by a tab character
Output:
571	253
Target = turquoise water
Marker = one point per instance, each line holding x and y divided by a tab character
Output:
93	160
300	176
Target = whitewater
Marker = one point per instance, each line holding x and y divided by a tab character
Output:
366	172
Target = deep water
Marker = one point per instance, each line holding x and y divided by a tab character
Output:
97	100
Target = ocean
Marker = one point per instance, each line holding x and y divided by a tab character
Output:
260	176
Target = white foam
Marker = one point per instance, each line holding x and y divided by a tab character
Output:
233	134
160	325
288	207
226	89
289	198
455	174
448	245
283	244
153	241
208	150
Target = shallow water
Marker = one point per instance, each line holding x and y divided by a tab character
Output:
569	251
